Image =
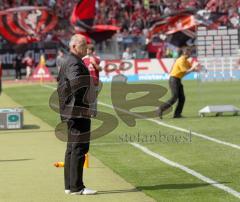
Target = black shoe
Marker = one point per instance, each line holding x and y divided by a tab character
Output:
159	112
178	116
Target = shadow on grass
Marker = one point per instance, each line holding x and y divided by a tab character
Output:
14	160
25	127
24	131
30	127
158	187
118	191
176	186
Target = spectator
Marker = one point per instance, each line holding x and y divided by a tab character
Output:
161	51
28	61
127	55
18	66
135	17
59	59
175	53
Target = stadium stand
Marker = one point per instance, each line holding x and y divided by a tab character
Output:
135	18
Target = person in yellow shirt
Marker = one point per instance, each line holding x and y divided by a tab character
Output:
181	68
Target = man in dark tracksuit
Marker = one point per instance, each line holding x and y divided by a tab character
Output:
73	88
179	70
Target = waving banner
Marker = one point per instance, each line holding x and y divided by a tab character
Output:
26	24
174	24
83	13
185	20
82	19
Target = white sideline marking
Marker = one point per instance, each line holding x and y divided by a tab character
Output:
187	170
235	146
47	86
174	127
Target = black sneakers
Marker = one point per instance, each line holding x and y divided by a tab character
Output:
178	116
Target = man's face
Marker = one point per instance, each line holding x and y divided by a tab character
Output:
81	48
187	53
60	53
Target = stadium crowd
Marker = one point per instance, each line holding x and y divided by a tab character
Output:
135	17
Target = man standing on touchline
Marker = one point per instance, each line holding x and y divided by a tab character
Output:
73	88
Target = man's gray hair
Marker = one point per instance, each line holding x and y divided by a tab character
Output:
76	39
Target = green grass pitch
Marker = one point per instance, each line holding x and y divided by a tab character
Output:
155	178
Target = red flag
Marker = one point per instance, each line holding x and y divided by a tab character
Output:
84	11
174	24
26	24
82	18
